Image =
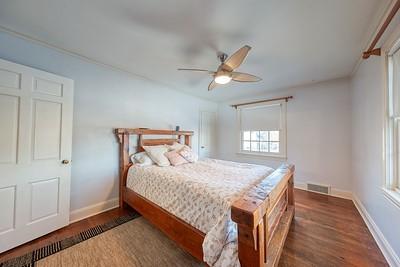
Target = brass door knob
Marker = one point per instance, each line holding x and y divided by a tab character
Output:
65	161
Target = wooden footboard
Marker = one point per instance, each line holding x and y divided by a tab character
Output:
263	216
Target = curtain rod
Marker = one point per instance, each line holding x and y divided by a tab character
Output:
286	98
377	51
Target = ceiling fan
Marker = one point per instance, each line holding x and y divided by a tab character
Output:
225	72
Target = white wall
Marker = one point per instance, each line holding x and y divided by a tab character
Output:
367	149
105	99
318	133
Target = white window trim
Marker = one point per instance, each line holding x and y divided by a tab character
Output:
390	186
392	195
282	136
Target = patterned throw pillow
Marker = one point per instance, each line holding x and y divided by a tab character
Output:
176	146
156	153
175	158
188	154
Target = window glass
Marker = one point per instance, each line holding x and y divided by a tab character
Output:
255	135
246	135
274	147
264	146
274	136
264	136
246	145
255	146
261	141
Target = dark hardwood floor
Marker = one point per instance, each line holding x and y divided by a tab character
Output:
327	231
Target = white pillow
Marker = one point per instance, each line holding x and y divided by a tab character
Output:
156	153
176	146
142	158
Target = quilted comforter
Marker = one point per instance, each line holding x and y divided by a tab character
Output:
201	194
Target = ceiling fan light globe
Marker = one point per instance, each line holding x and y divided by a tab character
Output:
222	79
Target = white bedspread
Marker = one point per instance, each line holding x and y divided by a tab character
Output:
201	194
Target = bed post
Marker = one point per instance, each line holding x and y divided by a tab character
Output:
188	140
291	191
263	217
123	139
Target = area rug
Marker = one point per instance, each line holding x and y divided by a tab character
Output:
126	241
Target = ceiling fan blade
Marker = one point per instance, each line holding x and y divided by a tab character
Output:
244	77
237	58
212	85
199	70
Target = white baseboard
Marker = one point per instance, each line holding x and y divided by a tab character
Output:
334	191
79	214
387	250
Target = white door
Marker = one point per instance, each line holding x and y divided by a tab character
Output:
35	150
207	134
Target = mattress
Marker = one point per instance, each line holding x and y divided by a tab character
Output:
201	194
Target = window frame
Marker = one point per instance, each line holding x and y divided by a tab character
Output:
259	141
282	131
391	182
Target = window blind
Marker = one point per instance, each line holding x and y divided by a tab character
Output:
262	118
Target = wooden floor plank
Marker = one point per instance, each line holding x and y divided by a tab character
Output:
326	231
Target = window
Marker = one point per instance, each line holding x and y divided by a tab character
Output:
263	129
392	127
260	141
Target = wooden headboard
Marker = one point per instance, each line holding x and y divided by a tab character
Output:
124	145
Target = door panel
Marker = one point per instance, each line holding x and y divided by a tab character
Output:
44	205
7	209
10	79
48	87
36	136
9	113
46	130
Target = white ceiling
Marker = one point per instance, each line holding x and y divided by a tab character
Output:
294	41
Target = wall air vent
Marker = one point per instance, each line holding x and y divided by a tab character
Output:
324	189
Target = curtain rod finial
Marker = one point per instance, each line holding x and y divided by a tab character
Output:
373	52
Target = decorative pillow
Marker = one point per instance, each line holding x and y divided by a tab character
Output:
188	154
142	158
176	146
156	153
175	158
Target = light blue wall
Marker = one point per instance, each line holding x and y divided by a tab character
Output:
368	149
105	99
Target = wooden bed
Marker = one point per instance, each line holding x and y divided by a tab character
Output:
263	216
